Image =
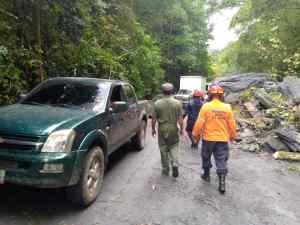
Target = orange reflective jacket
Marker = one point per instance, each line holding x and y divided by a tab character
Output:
215	122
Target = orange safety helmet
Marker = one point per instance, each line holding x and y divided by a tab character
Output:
198	93
215	89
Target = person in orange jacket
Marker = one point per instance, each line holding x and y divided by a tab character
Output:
217	127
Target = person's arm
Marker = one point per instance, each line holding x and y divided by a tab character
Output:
198	127
180	118
153	124
153	127
231	126
180	122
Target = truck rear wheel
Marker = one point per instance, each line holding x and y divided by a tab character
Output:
139	140
90	183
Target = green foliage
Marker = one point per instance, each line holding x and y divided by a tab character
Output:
181	31
247	95
269	38
137	41
10	78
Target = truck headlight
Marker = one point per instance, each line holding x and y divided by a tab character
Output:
59	141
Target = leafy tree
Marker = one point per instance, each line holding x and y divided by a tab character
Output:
40	39
180	28
269	37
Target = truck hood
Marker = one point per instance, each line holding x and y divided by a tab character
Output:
35	120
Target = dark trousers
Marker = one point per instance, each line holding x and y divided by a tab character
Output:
190	134
189	130
220	150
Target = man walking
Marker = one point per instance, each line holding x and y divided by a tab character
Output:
168	114
193	109
216	126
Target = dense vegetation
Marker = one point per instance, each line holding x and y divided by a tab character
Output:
140	41
269	39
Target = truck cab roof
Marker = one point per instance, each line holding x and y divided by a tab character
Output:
85	80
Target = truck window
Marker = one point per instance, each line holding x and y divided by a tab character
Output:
131	98
68	95
117	94
184	92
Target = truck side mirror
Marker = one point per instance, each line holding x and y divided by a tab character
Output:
118	107
22	97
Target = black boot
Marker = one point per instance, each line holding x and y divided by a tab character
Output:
222	188
196	146
205	176
165	172
175	172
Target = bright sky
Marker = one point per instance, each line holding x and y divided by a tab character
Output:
221	32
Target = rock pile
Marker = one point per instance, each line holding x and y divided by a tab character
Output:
268	112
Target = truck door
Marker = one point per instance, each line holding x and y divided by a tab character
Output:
133	109
117	120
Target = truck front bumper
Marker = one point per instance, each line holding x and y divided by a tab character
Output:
41	170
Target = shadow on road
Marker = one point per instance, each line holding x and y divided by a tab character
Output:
27	201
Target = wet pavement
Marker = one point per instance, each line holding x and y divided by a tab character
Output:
260	191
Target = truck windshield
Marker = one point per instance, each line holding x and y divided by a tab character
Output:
88	97
184	92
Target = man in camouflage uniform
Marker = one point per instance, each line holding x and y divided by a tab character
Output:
168	114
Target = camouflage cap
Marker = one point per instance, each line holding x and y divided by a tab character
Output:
167	87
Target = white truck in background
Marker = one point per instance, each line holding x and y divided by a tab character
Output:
187	85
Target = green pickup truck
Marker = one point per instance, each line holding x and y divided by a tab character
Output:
62	133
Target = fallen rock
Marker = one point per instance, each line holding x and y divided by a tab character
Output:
250	147
270	86
264	99
272	144
251	109
240	82
232	98
290	138
287	156
290	88
247	133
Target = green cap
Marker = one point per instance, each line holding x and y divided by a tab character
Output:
167	87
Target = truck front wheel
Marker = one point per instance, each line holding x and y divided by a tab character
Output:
90	183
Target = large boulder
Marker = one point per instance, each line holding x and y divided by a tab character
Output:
290	138
264	99
240	82
290	88
273	144
270	86
232	98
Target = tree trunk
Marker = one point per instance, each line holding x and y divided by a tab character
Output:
38	38
292	156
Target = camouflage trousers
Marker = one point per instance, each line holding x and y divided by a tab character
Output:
169	156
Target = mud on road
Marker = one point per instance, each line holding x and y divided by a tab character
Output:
261	191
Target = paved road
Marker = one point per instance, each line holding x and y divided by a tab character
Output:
260	192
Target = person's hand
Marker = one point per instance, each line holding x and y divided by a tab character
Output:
153	132
196	140
181	131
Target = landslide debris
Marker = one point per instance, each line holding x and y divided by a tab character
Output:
267	113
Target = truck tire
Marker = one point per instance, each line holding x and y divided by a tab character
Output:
139	140
91	180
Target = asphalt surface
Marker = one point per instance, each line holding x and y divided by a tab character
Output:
260	191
